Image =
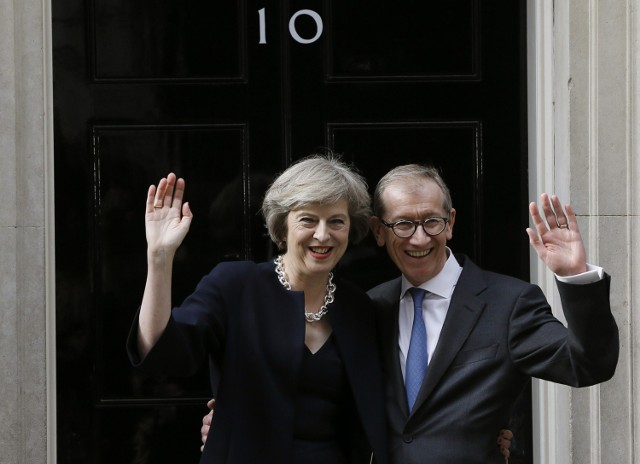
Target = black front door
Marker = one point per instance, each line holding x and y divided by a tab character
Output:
226	94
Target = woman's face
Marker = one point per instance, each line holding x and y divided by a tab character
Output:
317	237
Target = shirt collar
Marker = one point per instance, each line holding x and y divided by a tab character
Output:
443	283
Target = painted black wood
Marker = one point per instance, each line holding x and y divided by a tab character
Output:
227	94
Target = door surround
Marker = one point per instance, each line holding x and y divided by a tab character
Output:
547	101
547	172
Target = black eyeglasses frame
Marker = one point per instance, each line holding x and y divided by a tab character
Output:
393	225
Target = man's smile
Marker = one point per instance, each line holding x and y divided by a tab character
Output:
419	253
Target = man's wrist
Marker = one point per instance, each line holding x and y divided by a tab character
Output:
591	275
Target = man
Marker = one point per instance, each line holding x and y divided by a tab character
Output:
484	335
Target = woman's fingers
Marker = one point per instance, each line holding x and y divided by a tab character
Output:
178	193
169	192
160	192
151	198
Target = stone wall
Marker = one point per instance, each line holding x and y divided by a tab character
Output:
584	145
24	160
600	102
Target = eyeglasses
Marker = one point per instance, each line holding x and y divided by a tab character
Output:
404	228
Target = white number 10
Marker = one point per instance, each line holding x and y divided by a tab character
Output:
292	26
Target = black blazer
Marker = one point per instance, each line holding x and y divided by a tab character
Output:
242	319
498	333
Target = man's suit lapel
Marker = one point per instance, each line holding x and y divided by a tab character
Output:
464	310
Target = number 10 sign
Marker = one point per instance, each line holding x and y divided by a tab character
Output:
262	16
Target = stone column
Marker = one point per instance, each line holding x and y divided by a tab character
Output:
602	107
594	161
25	212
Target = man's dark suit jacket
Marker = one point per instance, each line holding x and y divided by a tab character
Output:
254	330
498	333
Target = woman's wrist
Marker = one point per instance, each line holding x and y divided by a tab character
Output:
160	258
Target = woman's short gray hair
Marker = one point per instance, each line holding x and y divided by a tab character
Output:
317	179
404	174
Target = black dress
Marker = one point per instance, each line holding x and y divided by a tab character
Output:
241	319
321	394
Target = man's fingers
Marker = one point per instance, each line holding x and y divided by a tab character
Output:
506	433
547	209
562	218
538	222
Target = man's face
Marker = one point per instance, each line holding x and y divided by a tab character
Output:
419	257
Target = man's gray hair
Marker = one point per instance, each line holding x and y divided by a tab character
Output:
407	175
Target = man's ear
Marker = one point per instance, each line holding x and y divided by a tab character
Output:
376	229
452	220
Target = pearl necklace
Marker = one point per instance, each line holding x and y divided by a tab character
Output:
328	296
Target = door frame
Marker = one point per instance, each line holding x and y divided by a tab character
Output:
549	171
547	50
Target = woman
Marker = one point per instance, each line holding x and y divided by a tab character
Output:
300	379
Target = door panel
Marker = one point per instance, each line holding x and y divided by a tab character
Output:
370	40
227	94
213	158
167	41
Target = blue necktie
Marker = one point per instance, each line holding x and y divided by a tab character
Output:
417	357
